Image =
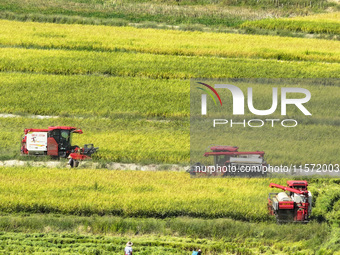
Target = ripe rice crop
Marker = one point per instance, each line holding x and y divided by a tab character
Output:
155	141
152	194
179	226
120	140
130	193
323	17
165	14
82	243
95	96
143	194
68	68
128	90
101	38
154	126
157	66
322	24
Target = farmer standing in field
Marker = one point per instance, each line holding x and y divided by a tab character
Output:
194	252
128	248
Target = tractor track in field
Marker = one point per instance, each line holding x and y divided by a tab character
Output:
10	115
94	165
41	117
139	167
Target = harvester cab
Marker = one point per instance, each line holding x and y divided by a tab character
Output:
238	163
55	142
294	206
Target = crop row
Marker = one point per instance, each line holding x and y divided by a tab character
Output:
137	193
319	24
156	66
107	96
323	17
71	243
156	141
119	139
130	193
282	146
95	96
179	226
124	13
107	234
101	38
127	130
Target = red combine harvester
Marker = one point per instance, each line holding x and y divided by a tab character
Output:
238	163
55	142
296	206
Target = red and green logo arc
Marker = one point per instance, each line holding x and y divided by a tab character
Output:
209	93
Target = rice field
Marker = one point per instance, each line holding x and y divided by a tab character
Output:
73	243
154	126
37	233
131	95
158	66
128	89
155	41
146	194
326	23
185	14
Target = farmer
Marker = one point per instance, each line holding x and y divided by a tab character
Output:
71	161
128	248
194	252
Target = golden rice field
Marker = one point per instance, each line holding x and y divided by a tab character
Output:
126	130
322	17
103	38
130	193
155	66
135	193
128	89
325	23
159	194
141	87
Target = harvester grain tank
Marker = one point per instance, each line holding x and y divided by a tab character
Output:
55	142
294	206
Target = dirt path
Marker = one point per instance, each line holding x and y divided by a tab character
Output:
94	165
